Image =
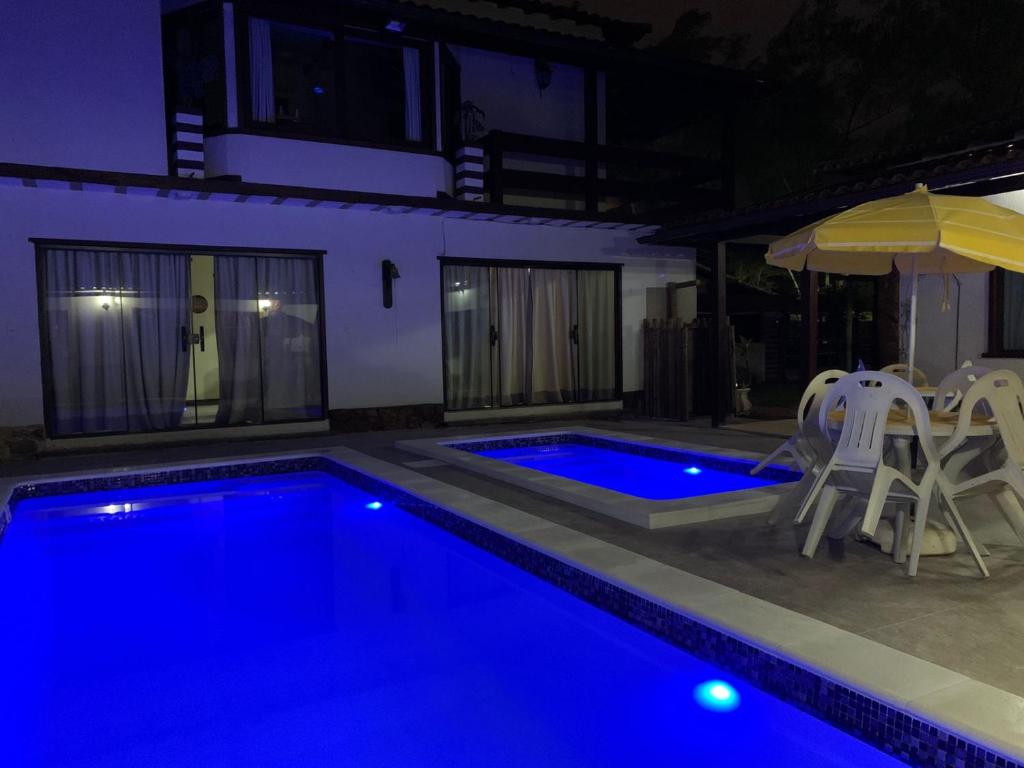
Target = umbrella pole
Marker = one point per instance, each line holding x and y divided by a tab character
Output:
913	318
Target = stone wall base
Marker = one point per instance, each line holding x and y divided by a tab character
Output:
20	442
391	417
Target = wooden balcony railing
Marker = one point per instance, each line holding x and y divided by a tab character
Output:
601	177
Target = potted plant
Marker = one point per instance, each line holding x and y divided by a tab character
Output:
741	399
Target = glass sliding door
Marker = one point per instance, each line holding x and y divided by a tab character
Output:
468	337
114	325
148	341
529	335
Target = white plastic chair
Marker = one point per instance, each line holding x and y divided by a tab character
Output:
949	394
808	447
805	446
900	369
858	468
1001	394
950	391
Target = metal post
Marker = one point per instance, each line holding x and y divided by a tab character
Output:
913	318
721	381
809	323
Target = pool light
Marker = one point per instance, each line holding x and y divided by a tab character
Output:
374	505
692	470
717	695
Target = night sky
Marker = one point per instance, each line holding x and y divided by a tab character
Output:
760	19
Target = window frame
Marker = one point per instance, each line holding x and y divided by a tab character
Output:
578	266
341	30
41	246
996	302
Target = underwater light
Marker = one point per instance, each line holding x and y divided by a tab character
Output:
692	470
717	695
374	505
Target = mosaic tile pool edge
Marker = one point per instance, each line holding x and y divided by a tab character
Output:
897	733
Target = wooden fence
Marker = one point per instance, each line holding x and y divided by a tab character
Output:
676	380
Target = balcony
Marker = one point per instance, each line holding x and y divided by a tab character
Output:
519	169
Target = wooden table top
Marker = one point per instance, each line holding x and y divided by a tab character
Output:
900	424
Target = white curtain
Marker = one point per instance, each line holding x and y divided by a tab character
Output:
467	336
289	338
536	311
155	310
413	102
596	333
236	316
261	71
114	322
553	372
515	306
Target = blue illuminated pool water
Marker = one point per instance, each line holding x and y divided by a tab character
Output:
280	622
647	477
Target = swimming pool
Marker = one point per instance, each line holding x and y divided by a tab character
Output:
298	619
645	476
648	482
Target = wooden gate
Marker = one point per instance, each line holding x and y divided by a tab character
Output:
675	384
668	352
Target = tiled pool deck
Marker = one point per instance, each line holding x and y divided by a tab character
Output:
947	616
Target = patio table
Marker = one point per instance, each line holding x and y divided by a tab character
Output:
899	428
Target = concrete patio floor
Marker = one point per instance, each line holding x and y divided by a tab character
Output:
946	615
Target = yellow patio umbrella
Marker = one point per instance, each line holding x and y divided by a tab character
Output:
918	233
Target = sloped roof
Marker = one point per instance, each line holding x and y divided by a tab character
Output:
564	19
973	170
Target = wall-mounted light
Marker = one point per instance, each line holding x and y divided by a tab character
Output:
395	26
388	274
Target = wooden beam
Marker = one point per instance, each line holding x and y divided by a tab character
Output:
721	381
809	323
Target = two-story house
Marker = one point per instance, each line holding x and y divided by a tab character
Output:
255	213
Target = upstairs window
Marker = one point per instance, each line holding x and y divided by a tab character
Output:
383	91
292	76
193	47
304	80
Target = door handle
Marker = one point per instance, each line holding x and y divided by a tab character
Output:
202	338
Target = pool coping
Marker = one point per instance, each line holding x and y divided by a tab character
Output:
647	513
908	700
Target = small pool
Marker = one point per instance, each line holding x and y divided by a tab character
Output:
299	620
640	480
672	476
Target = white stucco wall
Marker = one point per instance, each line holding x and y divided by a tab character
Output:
325	165
65	101
505	87
376	357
